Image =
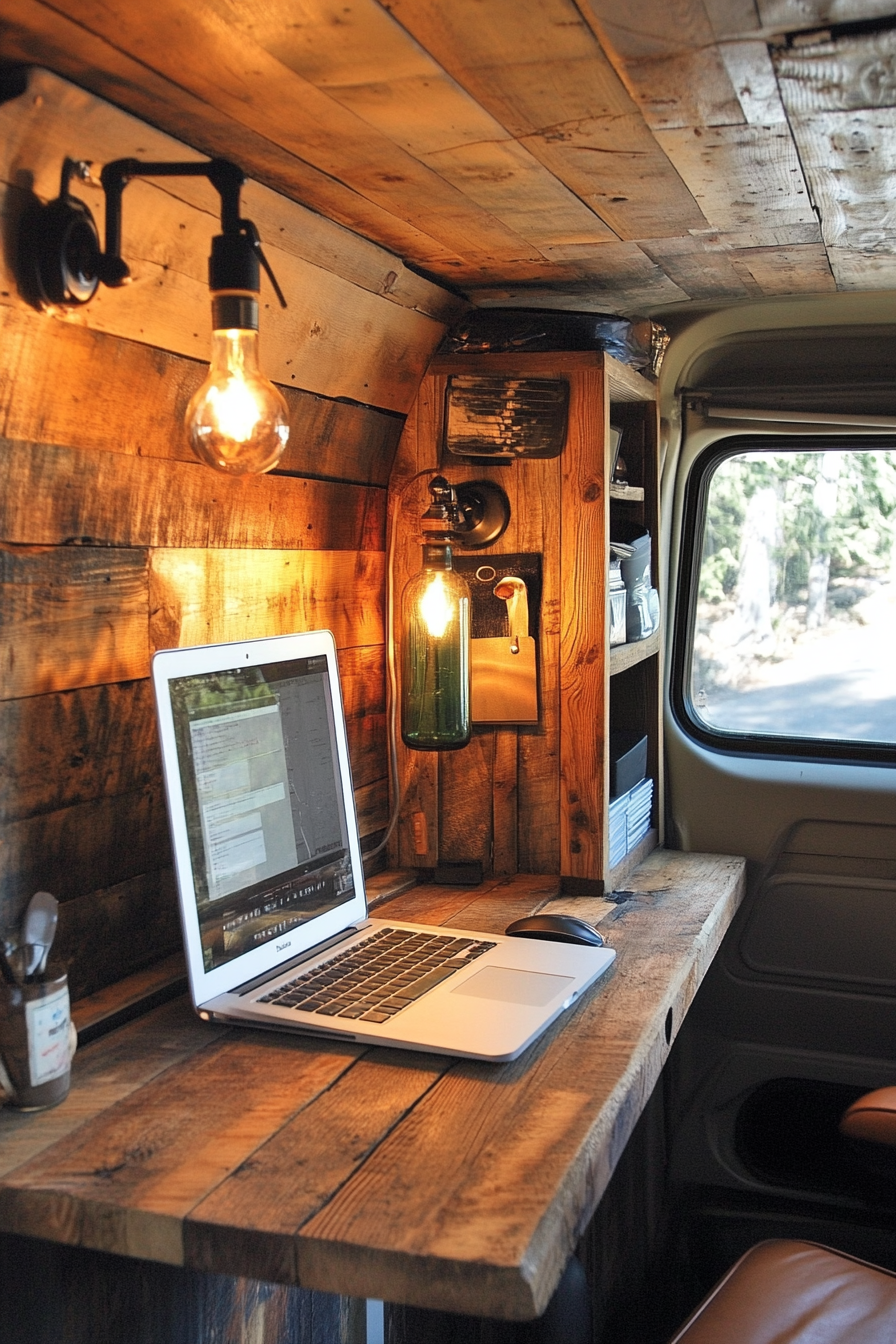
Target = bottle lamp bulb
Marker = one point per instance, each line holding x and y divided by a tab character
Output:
436	607
237	421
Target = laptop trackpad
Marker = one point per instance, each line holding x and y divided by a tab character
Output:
532	988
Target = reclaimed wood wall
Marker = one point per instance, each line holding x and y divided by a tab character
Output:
114	541
562	152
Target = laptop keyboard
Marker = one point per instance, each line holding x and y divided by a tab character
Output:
375	979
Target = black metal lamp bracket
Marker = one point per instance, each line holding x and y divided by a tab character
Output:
62	262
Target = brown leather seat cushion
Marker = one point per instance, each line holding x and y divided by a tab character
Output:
793	1292
872	1117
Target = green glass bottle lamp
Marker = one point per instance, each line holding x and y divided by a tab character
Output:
435	638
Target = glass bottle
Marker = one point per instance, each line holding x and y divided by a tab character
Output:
435	654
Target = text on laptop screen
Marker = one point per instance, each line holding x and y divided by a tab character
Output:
265	818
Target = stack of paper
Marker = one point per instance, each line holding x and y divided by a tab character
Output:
629	820
618	829
640	801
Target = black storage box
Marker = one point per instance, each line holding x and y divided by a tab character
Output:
628	761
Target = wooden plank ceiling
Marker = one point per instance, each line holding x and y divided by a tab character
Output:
570	153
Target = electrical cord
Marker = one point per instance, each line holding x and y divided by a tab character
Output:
392	675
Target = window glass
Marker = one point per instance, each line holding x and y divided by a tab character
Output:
795	625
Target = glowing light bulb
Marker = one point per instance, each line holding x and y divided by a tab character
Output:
237	421
436	606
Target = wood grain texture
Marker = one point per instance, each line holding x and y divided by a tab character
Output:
506	152
65	496
795	15
82	849
583	556
62	749
840	98
741	176
204	53
453	1185
538	69
100	411
786	270
505	803
109	919
81	616
669	62
293	1176
480	1212
465	792
38	35
107	1071
407	96
71	616
202	597
68	1295
130	997
59	750
130	1179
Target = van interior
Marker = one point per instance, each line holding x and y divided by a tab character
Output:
487	189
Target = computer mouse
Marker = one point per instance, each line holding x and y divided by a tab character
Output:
558	928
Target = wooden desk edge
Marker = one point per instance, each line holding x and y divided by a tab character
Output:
518	1290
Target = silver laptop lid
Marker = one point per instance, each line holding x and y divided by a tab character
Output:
260	803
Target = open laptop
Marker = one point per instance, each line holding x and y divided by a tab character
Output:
268	861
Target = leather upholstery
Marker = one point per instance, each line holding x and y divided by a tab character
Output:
872	1117
794	1292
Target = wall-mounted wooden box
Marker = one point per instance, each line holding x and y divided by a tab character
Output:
534	798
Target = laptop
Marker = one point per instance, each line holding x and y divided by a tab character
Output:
270	880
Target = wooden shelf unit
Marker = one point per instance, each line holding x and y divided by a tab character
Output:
534	798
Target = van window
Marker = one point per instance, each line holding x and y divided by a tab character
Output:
789	637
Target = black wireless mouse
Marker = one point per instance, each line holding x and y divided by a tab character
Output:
558	928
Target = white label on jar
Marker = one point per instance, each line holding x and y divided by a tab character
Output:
48	1049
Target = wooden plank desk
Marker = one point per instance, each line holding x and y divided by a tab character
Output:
371	1172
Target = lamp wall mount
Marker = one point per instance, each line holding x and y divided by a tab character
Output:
62	263
471	514
237	420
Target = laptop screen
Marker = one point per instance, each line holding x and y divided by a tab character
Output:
262	799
